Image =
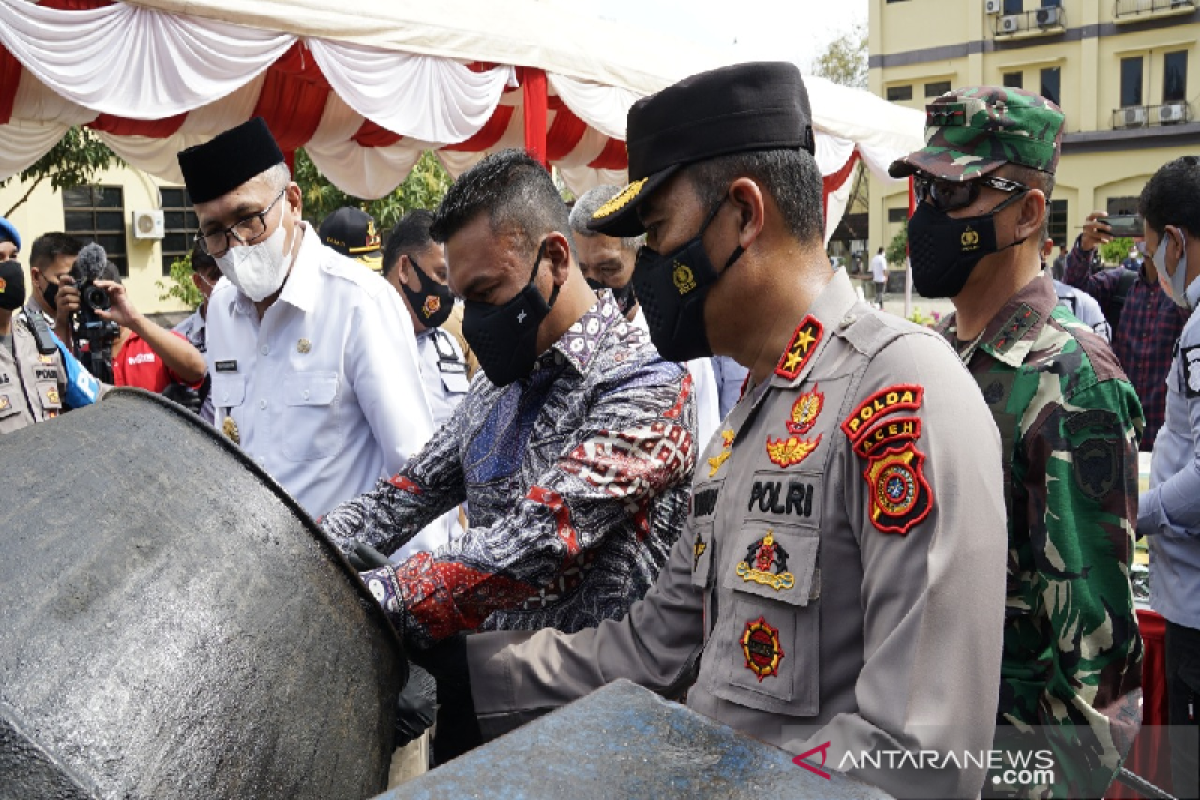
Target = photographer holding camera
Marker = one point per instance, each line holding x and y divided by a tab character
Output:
1145	322
143	353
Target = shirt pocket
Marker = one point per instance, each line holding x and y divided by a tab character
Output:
227	391
765	649
310	427
50	398
9	410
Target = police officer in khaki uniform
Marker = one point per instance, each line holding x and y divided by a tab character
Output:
31	381
839	581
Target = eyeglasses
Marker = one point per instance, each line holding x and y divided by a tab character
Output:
951	195
246	231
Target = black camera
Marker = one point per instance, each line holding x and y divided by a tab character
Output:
94	336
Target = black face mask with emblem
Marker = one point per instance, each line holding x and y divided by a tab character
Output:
624	295
504	337
672	289
433	303
945	251
12	285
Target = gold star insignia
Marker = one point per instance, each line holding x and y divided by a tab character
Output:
804	340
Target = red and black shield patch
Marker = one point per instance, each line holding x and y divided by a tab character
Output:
900	495
760	645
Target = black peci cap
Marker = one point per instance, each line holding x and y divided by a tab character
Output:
351	231
228	160
757	106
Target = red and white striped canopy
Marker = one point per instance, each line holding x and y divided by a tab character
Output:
366	89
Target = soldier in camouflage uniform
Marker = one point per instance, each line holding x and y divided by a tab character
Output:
1069	422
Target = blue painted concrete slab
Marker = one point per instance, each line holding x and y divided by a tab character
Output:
623	741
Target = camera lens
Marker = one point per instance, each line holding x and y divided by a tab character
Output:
97	298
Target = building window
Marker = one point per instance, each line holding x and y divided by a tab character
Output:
1014	6
1056	222
897	93
1014	80
1051	3
1175	77
937	89
97	214
1050	85
179	226
1131	81
1122	205
898	214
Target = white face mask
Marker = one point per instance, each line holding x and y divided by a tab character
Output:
258	270
1176	285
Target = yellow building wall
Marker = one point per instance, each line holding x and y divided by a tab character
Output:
43	212
1090	86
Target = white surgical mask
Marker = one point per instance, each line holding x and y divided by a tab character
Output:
258	270
1176	285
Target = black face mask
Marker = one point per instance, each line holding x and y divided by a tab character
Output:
433	303
944	251
504	337
672	288
624	295
12	285
50	293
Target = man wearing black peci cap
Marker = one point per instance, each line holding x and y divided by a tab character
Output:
839	580
314	367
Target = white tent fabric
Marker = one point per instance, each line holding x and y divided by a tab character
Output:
383	83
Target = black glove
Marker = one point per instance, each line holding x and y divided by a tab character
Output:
416	707
184	396
457	728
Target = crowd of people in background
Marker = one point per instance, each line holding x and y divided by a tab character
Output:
657	435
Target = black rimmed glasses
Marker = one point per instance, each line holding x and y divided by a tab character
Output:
951	195
245	231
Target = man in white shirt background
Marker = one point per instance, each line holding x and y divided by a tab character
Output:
607	263
879	276
314	369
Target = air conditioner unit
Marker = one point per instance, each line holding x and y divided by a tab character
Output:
1134	116
1010	24
1049	17
1176	112
992	6
148	225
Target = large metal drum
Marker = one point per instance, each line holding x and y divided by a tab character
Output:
172	625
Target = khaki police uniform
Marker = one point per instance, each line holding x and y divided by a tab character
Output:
840	577
31	384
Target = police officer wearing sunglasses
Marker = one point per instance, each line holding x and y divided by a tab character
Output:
1069	422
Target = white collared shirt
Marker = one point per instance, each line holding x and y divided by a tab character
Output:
324	393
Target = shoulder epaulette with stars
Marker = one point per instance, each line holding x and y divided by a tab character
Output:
1014	329
800	348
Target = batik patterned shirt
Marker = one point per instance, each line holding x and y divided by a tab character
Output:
576	481
1069	424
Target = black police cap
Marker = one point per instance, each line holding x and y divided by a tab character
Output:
228	160
745	107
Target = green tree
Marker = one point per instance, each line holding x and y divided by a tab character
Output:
423	188
179	285
75	161
897	252
1116	251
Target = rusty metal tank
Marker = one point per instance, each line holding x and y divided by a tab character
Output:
172	625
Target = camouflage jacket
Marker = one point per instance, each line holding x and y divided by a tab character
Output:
1069	423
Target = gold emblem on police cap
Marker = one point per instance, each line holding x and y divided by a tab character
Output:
303	346
230	429
683	278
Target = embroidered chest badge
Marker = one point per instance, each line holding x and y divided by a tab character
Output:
698	548
801	347
304	346
791	450
766	564
230	429
761	647
715	463
898	496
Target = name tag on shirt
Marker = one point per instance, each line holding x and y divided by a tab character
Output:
226	366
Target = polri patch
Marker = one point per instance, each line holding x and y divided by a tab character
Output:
900	497
801	347
761	647
766	563
226	366
1191	370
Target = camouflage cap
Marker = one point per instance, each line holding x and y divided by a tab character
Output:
973	131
